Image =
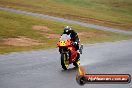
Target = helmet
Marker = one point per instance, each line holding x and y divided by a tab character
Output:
67	30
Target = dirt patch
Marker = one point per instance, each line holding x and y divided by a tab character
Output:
81	33
50	35
86	34
40	27
90	34
53	36
21	41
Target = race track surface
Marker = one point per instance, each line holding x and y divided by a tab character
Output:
42	69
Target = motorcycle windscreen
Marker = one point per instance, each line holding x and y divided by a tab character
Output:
63	39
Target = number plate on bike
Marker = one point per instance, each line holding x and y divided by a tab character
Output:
62	43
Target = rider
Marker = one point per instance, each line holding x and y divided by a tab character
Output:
74	38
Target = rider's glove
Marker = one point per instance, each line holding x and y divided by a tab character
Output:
74	43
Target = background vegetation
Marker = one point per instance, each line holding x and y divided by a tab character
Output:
114	13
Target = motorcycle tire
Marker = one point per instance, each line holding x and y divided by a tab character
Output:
64	61
77	61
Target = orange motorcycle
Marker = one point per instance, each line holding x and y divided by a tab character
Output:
68	53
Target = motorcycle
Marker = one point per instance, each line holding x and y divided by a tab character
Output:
68	52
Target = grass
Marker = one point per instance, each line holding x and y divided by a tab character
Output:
14	25
113	13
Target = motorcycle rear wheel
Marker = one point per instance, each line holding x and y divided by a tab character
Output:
77	61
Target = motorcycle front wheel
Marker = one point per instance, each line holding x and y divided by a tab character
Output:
64	61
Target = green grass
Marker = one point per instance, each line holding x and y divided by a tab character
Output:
13	25
114	13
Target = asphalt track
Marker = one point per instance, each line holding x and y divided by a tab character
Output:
68	21
42	69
